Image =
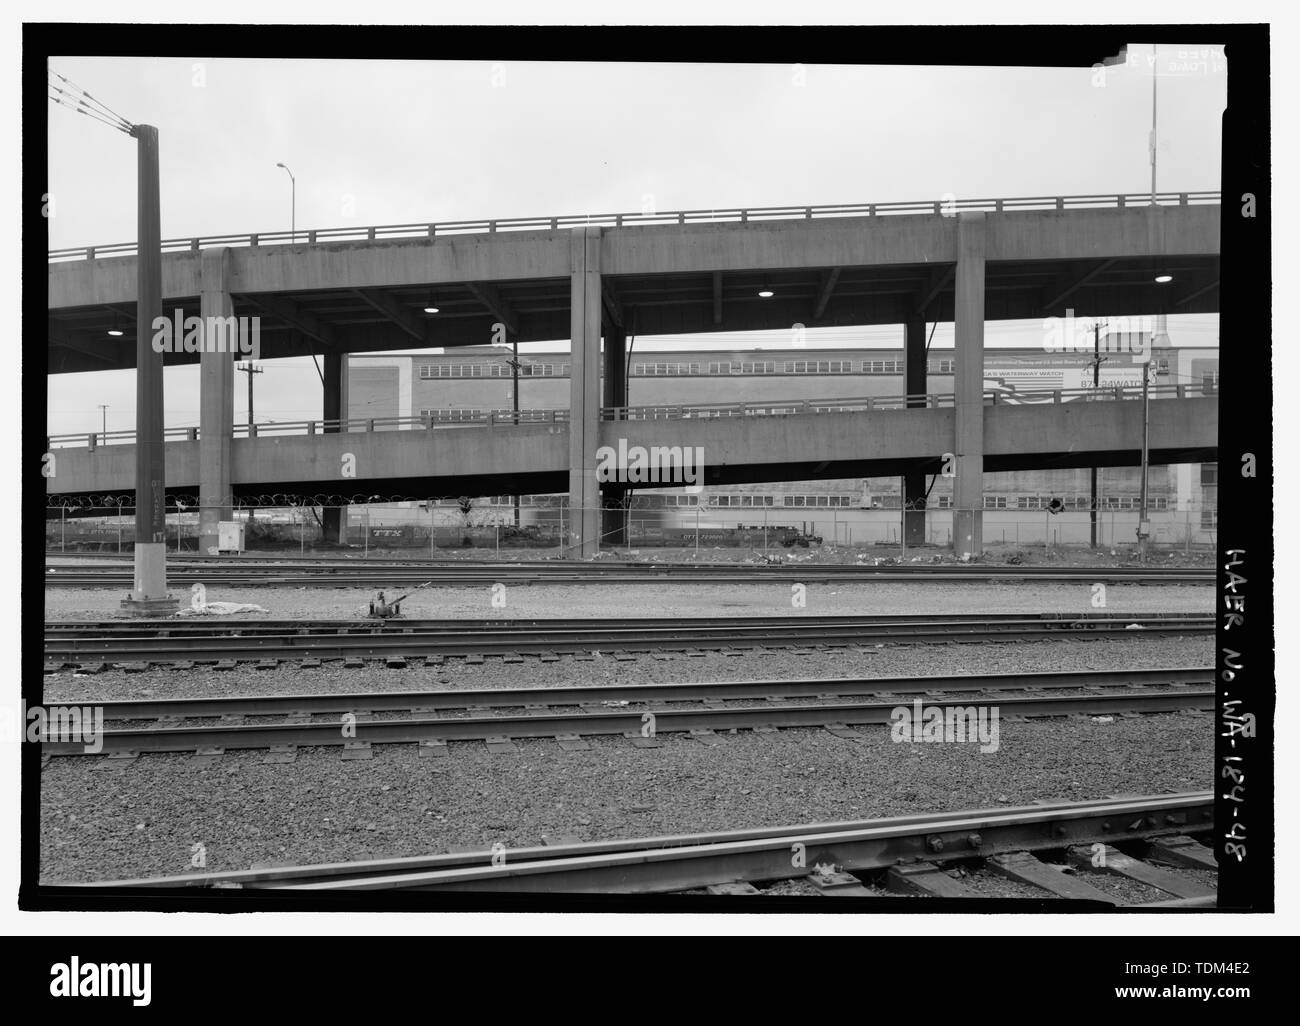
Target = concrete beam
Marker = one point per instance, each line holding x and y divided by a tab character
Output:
398	314
938	280
334	406
829	279
289	312
216	401
583	521
613	512
914	384
491	298
968	386
1063	289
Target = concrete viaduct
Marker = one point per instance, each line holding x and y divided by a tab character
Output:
603	279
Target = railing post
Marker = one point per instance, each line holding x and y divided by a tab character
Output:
1182	391
1121	199
1119	392
252	240
90	442
1060	202
370	425
90	252
192	434
252	430
311	427
194	245
370	234
1056	395
1182	199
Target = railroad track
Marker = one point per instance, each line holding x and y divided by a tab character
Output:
93	644
365	573
1028	844
639	712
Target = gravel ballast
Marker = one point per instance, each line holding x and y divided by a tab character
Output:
668	599
144	818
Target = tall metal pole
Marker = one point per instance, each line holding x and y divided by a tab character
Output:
1155	75
103	428
293	204
150	593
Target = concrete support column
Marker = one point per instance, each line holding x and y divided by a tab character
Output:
583	521
968	384
914	384
216	398
335	407
613	518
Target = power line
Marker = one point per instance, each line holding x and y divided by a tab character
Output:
99	108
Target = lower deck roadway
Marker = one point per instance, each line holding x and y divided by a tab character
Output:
534	458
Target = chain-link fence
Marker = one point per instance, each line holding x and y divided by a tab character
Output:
545	524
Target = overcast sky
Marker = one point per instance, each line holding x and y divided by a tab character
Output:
375	142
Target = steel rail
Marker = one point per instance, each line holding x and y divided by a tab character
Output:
840	687
629	723
978	834
372	868
675	635
205	626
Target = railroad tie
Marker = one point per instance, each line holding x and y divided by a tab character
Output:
737	888
1116	862
206	756
643	742
356	751
572	743
473	659
281	753
435	748
705	736
501	745
1026	868
843	730
1185	851
927	879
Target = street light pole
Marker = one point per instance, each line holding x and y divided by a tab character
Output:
103	428
293	207
1155	75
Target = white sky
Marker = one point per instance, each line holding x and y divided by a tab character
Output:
375	142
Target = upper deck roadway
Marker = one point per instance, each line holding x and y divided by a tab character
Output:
594	278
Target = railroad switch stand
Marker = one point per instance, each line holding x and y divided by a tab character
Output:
382	609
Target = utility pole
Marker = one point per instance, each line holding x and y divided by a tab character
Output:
249	369
149	596
1096	384
103	430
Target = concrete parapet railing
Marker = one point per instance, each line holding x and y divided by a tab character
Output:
741	215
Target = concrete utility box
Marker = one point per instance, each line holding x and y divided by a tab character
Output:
230	536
